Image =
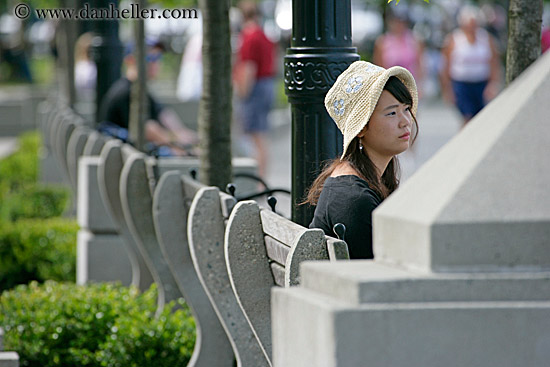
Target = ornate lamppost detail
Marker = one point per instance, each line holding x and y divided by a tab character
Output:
312	75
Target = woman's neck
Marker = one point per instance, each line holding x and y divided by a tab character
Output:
380	162
344	169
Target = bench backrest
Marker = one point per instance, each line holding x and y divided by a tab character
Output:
264	250
95	143
62	129
207	221
171	202
137	183
110	167
75	150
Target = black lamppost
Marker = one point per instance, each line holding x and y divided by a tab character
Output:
107	51
320	50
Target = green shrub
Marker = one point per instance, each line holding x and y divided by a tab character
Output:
62	324
33	249
34	202
21	167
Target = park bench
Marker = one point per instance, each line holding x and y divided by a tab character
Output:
263	250
171	213
127	181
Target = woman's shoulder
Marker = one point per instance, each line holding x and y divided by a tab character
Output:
353	187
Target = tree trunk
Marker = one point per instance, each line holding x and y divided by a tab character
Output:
215	105
65	45
138	96
524	28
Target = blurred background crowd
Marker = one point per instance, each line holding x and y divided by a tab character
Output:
414	34
26	46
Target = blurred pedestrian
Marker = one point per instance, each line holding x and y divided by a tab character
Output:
471	75
12	48
164	130
253	79
375	110
398	46
85	70
189	86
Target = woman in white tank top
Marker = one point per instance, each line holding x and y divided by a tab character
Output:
470	62
471	74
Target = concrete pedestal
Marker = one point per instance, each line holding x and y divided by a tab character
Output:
9	359
102	258
361	313
101	253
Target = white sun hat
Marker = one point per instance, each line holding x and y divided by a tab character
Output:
353	97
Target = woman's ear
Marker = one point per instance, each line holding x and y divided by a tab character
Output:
362	132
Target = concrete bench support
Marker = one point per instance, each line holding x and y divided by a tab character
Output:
171	200
136	193
209	212
110	167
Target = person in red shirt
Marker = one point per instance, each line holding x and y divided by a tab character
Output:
545	39
253	80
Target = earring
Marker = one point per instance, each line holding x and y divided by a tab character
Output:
361	146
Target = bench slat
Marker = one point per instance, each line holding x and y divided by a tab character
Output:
278	274
276	251
228	202
190	186
337	249
279	227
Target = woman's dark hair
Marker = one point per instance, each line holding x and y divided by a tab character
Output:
360	161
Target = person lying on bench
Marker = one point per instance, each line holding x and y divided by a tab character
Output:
165	132
375	110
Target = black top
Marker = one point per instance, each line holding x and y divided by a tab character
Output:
115	106
348	200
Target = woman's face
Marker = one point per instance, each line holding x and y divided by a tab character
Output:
388	132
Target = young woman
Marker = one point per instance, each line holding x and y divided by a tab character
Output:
375	109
